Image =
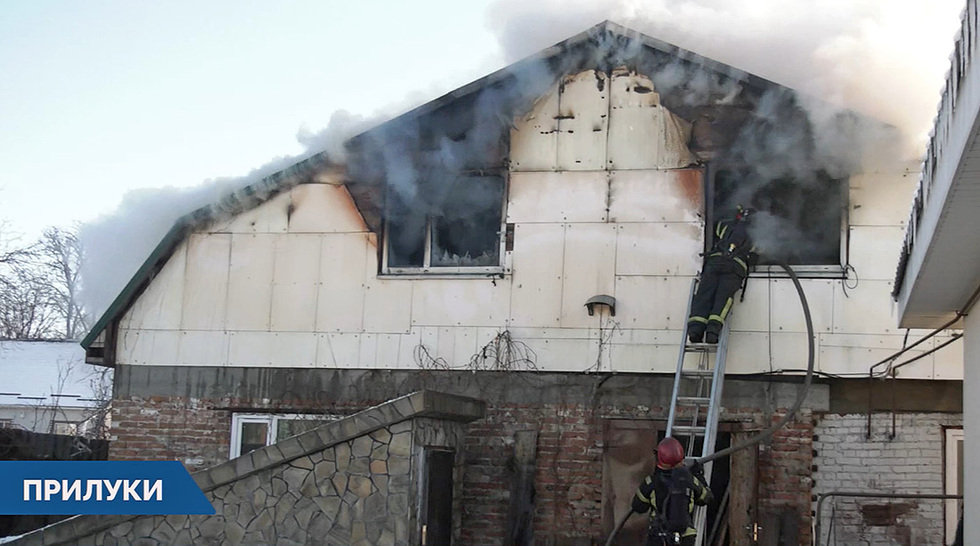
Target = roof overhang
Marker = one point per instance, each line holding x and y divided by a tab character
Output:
939	274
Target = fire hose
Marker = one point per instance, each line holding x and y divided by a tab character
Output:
769	432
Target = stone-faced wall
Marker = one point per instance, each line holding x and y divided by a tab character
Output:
353	481
911	462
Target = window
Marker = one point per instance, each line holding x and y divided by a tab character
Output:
798	221
250	432
452	229
65	428
953	470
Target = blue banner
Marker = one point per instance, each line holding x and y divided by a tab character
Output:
99	487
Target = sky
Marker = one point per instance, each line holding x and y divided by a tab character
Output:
122	115
101	97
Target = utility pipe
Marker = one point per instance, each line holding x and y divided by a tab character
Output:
870	495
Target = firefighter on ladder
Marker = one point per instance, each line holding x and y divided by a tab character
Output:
670	495
724	271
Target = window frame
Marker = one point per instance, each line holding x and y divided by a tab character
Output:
803	271
427	270
272	422
952	467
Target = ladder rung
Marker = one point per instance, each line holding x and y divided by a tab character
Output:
693	400
698	373
701	348
699	431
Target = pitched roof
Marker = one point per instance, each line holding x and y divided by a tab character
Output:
605	45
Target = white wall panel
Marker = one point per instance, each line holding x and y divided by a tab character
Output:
642	133
655	303
272	349
206	281
661	358
323	208
534	138
202	348
147	347
881	199
867	309
159	306
558	197
748	352
296	282
250	281
752	315
411	352
340	298
583	114
388	304
948	361
388	348
536	280
874	251
573	355
368	351
446	347
269	217
675	195
658	249
787	311
857	353
462	302
337	350
464	345
589	270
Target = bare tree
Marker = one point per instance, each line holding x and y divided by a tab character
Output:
39	287
25	311
59	255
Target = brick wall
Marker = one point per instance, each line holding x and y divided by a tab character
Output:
569	458
195	431
911	462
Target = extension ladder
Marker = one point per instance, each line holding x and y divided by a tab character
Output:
695	403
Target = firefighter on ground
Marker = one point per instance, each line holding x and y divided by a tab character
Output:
724	271
670	495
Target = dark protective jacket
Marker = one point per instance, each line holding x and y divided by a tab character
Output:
732	243
654	490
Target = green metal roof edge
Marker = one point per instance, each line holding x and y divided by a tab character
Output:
255	193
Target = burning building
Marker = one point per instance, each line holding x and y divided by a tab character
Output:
529	241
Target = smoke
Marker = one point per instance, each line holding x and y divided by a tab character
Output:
883	58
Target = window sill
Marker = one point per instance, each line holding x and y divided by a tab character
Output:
445	273
802	271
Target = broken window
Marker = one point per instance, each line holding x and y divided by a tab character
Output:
455	227
797	221
251	432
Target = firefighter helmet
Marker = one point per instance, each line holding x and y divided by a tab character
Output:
670	453
744	213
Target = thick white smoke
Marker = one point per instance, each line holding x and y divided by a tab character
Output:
883	58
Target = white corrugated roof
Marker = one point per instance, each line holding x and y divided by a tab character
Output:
43	372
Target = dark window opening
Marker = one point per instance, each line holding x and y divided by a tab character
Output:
462	226
796	221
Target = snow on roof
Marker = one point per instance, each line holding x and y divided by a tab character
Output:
44	373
